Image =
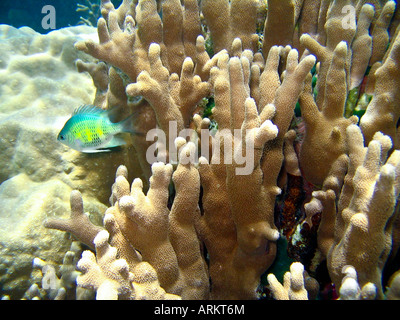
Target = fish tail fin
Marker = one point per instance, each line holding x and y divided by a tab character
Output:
128	125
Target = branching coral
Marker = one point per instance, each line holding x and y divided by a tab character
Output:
78	223
294	284
364	222
111	277
362	234
172	98
280	23
251	233
326	127
166	239
382	113
393	292
153	243
340	71
57	282
350	288
141	218
126	35
228	20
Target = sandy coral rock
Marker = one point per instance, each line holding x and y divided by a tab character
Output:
24	205
39	89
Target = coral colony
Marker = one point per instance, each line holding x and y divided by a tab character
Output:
268	153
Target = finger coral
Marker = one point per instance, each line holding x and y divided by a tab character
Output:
294	287
78	224
366	207
111	279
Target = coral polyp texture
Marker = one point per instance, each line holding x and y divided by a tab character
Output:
267	164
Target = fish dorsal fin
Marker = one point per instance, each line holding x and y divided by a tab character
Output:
89	109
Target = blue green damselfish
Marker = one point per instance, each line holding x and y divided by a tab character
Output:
90	130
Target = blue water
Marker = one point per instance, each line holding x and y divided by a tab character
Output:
19	13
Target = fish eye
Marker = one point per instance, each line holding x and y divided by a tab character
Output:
61	137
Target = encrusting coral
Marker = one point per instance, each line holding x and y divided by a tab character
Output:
217	232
